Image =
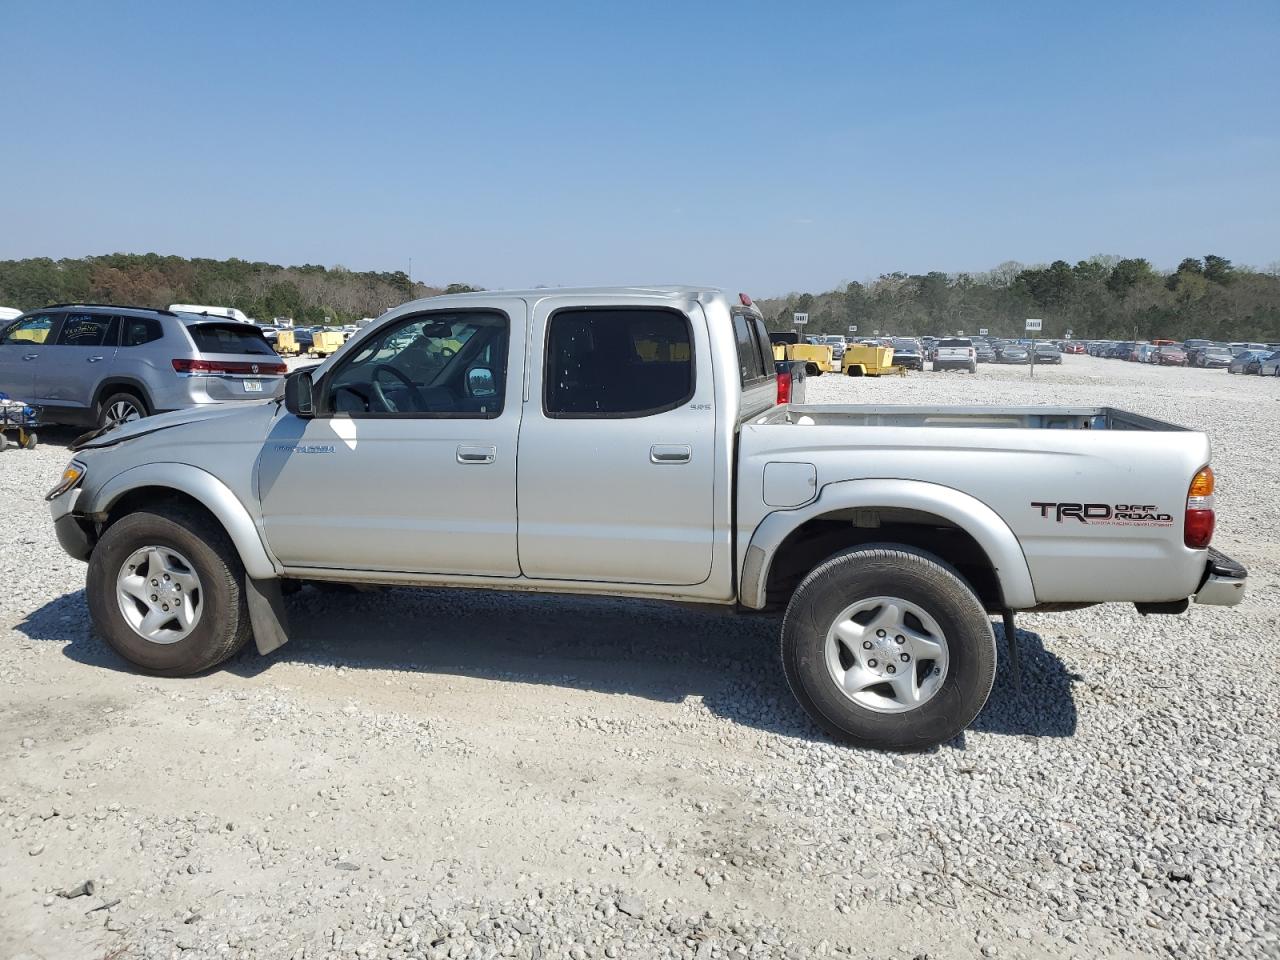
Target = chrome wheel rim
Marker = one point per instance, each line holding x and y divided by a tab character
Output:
123	411
159	594
887	654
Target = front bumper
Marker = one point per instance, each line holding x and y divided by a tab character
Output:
1224	581
72	531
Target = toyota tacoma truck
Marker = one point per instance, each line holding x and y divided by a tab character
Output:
629	442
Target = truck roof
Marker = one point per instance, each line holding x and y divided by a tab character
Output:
669	292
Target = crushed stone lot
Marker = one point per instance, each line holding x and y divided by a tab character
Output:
461	774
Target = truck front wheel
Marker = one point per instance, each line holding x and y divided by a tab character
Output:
886	646
165	591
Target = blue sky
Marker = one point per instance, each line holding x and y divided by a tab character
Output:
766	147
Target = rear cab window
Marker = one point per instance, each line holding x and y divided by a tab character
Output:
230	338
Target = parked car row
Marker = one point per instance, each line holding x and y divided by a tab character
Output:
1233	357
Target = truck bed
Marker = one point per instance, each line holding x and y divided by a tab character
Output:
1021	418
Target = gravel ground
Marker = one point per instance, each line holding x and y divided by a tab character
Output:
505	775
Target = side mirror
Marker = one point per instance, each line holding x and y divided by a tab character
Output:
480	382
298	398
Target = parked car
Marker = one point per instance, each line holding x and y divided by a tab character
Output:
103	364
1214	357
955	353
1194	347
9	313
907	353
837	345
984	352
1072	347
1171	355
1270	367
1248	361
568	402
1146	352
1047	353
1013	353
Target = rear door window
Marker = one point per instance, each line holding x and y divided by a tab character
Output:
88	330
238	338
617	362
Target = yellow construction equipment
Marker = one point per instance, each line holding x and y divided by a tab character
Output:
325	342
816	357
286	343
862	360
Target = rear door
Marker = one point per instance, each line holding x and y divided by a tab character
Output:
68	373
22	345
616	446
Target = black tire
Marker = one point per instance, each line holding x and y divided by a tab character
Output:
889	570
223	627
112	403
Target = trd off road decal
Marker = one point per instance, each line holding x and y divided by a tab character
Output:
1116	515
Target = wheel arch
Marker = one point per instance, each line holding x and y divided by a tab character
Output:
953	525
144	485
119	384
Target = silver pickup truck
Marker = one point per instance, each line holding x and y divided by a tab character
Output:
629	442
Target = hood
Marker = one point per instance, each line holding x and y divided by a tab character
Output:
109	436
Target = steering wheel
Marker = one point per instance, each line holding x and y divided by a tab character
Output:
414	393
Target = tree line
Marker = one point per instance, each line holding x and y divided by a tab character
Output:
309	294
1104	297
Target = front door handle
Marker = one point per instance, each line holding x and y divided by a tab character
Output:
670	453
94	359
31	356
474	453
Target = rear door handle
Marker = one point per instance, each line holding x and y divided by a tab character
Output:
670	453
31	356
95	359
472	453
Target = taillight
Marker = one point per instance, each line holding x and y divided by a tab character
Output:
1198	526
784	387
182	365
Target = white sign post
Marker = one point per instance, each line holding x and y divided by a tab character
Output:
982	331
853	328
1033	326
800	319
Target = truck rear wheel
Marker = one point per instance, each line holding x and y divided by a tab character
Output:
886	646
165	592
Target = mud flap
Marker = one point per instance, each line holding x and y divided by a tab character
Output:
267	614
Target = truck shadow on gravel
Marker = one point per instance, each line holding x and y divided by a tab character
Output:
661	652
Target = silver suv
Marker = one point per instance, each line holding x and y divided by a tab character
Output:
98	364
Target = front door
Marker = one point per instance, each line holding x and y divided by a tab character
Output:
617	447
21	347
409	464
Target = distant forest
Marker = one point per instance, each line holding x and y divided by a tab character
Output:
309	294
1102	297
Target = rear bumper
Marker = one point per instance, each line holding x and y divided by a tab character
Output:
1224	581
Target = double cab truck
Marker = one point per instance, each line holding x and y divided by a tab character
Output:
629	442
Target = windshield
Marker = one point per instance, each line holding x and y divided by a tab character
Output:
900	344
954	342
